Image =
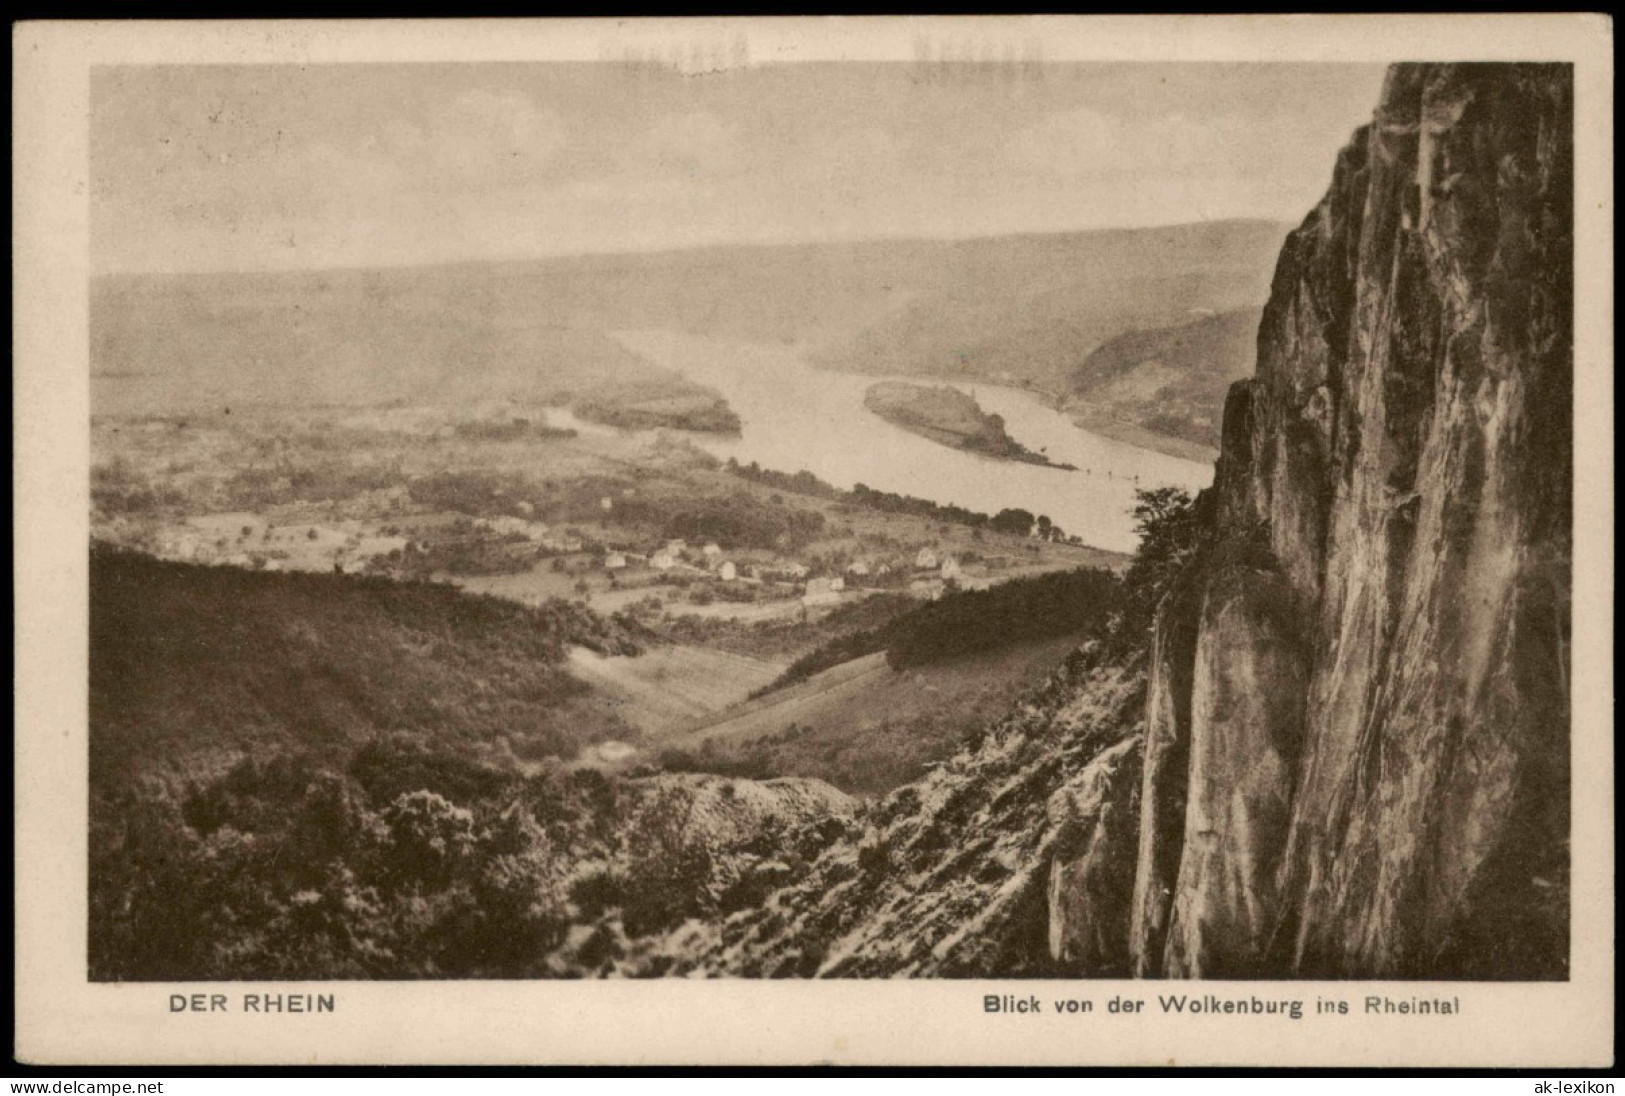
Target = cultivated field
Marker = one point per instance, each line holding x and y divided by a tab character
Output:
864	726
669	689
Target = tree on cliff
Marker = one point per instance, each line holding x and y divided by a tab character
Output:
1165	518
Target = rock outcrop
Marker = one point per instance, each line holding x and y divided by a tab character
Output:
1013	857
1357	728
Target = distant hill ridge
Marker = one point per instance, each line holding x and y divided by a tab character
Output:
1024	309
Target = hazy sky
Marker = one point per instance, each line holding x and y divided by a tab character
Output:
252	167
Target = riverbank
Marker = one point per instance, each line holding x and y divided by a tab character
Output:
1130	434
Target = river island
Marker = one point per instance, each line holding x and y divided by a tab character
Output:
949	417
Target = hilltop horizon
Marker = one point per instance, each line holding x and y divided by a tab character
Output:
1283	225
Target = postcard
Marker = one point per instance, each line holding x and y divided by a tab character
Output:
883	541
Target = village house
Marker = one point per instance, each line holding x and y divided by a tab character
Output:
950	567
859	568
662	561
926	560
727	572
837	583
676	547
615	561
712	550
927	588
821	591
796	570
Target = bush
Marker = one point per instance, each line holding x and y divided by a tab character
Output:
429	839
1171	535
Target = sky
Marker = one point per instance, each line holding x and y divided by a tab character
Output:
255	167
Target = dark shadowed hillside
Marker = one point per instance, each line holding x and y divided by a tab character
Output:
192	668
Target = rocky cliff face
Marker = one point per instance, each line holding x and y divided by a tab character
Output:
1357	726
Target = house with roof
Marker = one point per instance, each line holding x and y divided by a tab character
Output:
930	589
820	591
926	560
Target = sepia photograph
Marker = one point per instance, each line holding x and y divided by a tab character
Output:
676	513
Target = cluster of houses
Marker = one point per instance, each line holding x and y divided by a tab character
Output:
678	555
249	540
675	555
947	567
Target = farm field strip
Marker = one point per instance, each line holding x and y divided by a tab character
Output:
774	712
666	690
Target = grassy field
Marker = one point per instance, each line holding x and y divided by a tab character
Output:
863	726
668	689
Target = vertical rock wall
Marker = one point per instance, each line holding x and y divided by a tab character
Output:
1357	726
